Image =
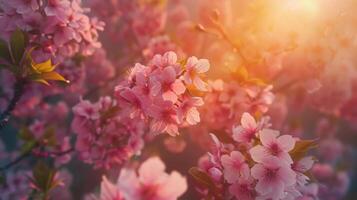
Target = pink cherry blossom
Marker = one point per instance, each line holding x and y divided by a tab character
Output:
248	129
274	176
165	119
300	167
234	166
273	146
151	182
109	191
243	189
195	67
188	110
170	86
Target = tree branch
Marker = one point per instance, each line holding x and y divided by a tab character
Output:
19	158
18	92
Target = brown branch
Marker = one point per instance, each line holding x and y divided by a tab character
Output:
18	92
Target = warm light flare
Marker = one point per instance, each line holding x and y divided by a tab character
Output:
304	6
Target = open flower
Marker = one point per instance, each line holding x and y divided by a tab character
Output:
109	191
164	115
274	176
188	110
244	189
151	182
234	166
300	167
171	86
273	146
194	68
247	130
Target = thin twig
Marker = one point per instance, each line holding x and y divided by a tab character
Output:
61	153
18	92
23	156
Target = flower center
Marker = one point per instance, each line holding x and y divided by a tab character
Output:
275	149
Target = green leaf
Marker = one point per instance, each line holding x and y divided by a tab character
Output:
50	136
44	177
18	45
25	134
302	147
28	146
4	51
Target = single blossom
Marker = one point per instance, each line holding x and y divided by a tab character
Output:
164	114
194	68
234	166
243	189
300	167
273	145
274	176
187	109
109	191
247	131
151	182
171	86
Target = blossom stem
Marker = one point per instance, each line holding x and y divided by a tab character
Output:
18	92
23	156
61	153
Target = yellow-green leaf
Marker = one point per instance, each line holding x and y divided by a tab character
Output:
4	51
301	148
41	81
54	76
18	45
43	67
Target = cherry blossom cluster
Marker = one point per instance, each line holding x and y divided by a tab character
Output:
57	28
50	135
134	24
16	186
227	101
150	182
105	138
159	92
259	163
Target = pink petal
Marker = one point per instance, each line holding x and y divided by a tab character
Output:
158	126
248	121
193	116
267	136
170	57
128	182
169	96
197	101
174	186
151	170
199	84
191	61
286	157
258	171
187	78
287	142
237	134
168	74
287	175
202	66
108	190
305	164
178	87
172	130
155	87
259	153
